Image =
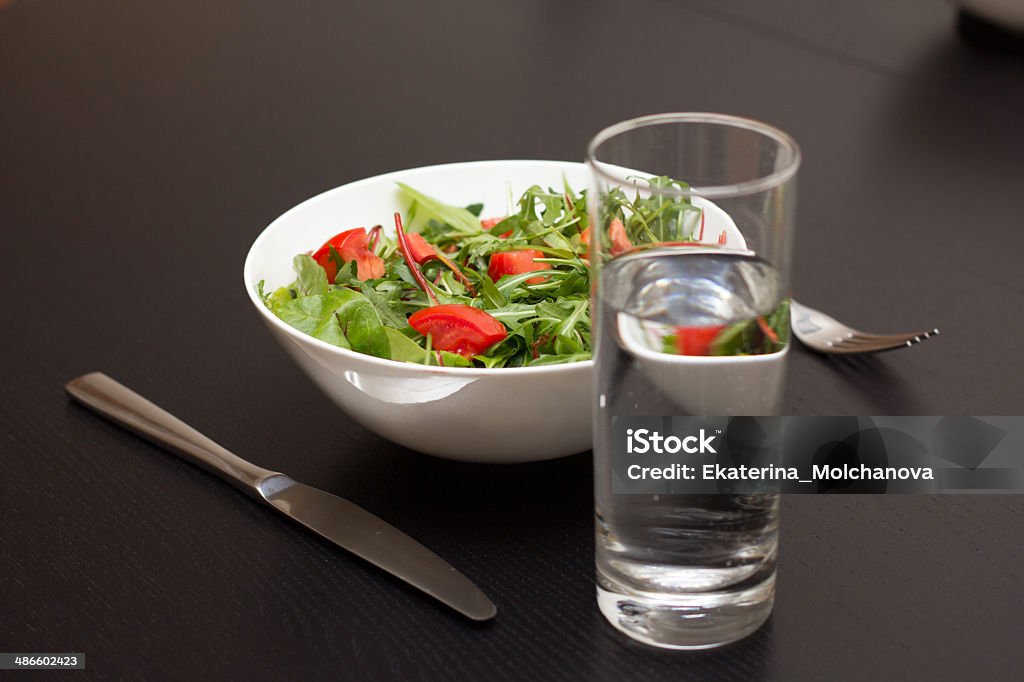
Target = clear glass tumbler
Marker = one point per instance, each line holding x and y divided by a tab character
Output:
691	231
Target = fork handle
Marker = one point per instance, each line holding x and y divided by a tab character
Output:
123	406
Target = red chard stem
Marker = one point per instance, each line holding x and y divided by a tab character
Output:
403	246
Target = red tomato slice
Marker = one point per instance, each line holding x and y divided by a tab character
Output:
421	251
350	245
617	234
516	262
585	243
620	240
369	266
488	223
696	340
458	328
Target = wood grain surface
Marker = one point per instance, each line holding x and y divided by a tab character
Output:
143	146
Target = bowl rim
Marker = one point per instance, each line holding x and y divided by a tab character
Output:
295	334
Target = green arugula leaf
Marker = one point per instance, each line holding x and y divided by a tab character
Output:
558	359
511	352
733	339
275	300
512	314
330	330
579	313
312	279
461	220
387	303
779	321
347	274
492	297
355	316
405	349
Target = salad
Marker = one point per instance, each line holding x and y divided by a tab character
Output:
453	289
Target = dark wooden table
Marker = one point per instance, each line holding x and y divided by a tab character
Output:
143	146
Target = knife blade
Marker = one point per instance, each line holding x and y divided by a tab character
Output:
338	520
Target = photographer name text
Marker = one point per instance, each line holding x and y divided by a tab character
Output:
642	441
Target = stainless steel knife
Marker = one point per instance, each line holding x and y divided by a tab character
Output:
338	520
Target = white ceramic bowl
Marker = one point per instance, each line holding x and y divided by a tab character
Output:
476	415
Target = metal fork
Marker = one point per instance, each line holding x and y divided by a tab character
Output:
819	332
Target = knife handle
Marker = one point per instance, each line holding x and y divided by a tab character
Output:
123	406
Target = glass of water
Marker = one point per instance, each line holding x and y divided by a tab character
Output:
690	238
